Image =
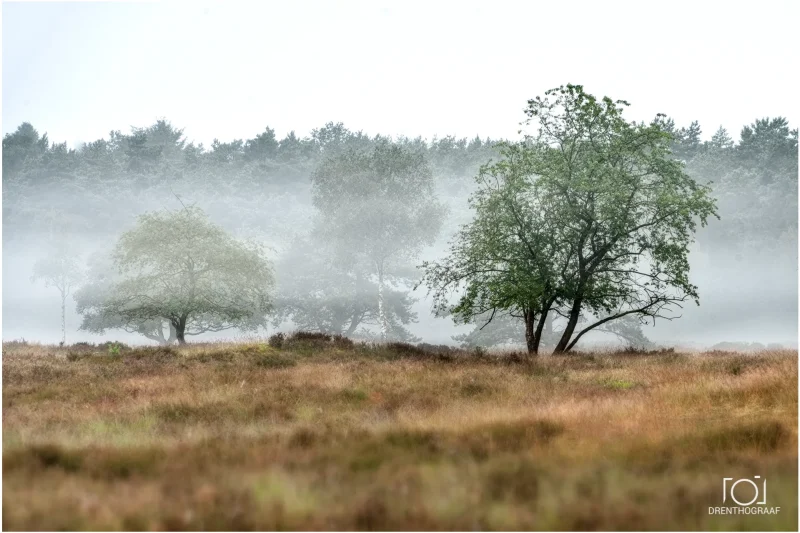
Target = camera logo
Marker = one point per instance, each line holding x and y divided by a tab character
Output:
729	489
749	495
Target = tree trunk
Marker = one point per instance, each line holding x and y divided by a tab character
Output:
537	336
180	329
530	335
354	322
574	314
63	318
382	307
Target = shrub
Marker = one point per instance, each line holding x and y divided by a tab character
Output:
310	336
113	346
435	348
155	353
312	342
276	340
340	341
405	349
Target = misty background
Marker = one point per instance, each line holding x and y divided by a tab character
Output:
142	107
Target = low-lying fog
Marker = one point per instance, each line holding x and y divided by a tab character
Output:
745	264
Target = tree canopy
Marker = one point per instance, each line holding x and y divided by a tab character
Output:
320	291
590	213
181	268
377	205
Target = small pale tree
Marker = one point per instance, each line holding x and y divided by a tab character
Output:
60	269
180	268
591	215
378	205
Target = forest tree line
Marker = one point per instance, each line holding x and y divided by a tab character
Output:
345	260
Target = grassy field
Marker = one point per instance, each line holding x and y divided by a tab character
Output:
323	434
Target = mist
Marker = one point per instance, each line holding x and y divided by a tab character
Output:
188	134
746	273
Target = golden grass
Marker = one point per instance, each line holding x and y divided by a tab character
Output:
322	435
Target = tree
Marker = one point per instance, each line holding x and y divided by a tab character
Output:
21	147
756	183
686	141
721	140
769	146
103	277
590	215
378	205
263	147
505	259
181	268
60	269
319	291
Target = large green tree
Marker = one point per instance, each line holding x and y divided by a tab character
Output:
180	268
588	215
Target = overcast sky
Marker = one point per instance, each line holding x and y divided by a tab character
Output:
227	70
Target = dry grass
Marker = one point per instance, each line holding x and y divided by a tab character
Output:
321	434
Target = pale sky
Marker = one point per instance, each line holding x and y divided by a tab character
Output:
228	70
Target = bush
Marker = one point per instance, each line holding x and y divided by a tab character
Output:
113	348
435	348
640	350
316	341
310	336
154	353
276	341
80	348
340	341
405	349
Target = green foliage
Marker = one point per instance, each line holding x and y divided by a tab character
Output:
378	203
319	291
103	277
181	268
618	384
376	208
755	182
276	340
589	214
